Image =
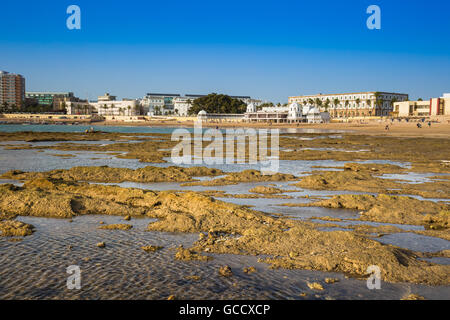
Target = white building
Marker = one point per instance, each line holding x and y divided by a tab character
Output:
345	105
106	105
78	108
117	108
275	109
292	113
158	103
181	105
295	112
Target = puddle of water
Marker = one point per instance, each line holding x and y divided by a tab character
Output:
335	149
406	227
438	260
332	229
411	177
416	242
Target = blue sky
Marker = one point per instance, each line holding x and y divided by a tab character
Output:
266	49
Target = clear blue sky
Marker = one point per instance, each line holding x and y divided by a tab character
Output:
266	49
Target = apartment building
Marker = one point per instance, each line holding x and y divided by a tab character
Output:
12	89
359	104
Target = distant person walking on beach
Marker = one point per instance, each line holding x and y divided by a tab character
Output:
419	125
387	127
429	124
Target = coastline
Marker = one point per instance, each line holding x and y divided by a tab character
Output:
371	128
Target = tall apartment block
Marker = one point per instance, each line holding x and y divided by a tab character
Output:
12	89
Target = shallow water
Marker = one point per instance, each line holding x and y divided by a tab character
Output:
35	268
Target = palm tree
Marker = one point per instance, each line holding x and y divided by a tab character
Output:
5	106
129	108
336	102
311	101
358	101
318	102
378	100
326	104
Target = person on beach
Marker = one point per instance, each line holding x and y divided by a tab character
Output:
429	124
386	128
419	125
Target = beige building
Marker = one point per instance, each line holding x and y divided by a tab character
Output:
412	108
348	105
432	107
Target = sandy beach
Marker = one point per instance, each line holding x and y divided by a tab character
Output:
398	129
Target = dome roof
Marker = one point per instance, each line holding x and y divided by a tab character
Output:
202	113
314	110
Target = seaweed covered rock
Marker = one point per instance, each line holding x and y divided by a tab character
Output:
13	228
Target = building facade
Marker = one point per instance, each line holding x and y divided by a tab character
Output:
12	89
158	103
348	105
58	100
47	98
107	105
293	113
433	107
79	108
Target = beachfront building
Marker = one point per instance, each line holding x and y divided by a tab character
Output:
58	100
158	103
44	98
293	113
433	107
349	105
78	108
12	90
203	116
182	105
107	105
